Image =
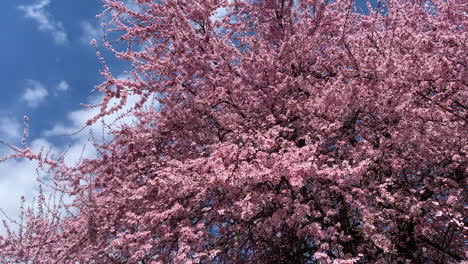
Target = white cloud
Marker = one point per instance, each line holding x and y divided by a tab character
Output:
46	23
10	129
63	86
77	119
18	177
35	93
90	32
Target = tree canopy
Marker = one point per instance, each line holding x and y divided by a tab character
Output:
288	132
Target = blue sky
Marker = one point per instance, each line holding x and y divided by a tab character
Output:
42	48
47	68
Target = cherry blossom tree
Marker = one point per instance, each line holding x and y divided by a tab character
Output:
289	132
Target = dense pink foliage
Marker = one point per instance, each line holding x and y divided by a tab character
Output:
287	133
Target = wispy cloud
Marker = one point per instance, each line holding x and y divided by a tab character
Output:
18	179
45	21
77	119
63	86
35	93
90	32
10	129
